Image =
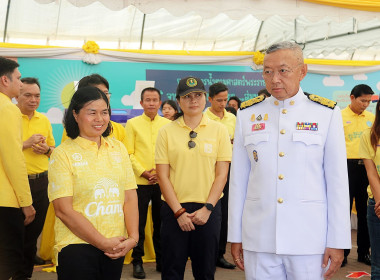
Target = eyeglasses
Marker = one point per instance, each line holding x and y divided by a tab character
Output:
196	96
191	143
283	72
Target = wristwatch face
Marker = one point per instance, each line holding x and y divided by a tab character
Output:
209	206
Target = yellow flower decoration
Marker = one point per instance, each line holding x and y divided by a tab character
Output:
258	58
91	47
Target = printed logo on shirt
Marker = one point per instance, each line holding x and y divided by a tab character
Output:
208	148
78	158
105	190
116	156
369	123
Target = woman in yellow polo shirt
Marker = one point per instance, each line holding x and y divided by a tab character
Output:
192	158
92	187
370	153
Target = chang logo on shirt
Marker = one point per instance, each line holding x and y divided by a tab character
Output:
105	189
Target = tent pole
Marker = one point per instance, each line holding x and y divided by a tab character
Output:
142	32
6	21
258	34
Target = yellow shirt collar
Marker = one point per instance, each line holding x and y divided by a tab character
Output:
352	113
85	143
204	121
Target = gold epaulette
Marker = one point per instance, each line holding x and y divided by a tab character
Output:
251	102
321	100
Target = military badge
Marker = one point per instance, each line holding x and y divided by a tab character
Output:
307	126
258	126
259	118
255	157
191	82
253	117
265	117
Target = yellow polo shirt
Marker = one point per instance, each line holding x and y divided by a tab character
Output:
38	124
14	185
192	171
96	179
354	125
366	151
229	120
141	135
118	132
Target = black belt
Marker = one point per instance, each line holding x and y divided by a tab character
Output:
39	175
355	161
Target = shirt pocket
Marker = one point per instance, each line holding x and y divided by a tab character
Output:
208	148
256	139
307	138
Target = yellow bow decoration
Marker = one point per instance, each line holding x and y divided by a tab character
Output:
91	47
258	58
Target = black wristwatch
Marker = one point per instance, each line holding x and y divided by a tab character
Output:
209	206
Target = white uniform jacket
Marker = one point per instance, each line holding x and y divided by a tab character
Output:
289	186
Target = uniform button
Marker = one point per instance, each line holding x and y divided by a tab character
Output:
280	200
281	154
282	131
284	111
276	103
291	102
281	176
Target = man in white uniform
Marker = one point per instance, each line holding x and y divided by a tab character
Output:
289	201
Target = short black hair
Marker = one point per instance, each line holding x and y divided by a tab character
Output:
214	89
7	67
92	80
236	99
231	110
80	98
31	81
360	90
150	89
171	103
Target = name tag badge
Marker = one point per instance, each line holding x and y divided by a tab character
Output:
258	126
307	126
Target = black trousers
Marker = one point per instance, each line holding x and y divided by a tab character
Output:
201	244
145	194
86	262
224	224
358	183
11	242
38	188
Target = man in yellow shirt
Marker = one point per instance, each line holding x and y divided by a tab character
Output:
95	80
355	120
218	96
38	144
141	135
16	209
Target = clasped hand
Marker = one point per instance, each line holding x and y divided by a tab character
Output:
117	247
187	221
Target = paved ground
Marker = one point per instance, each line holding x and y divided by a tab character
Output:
225	274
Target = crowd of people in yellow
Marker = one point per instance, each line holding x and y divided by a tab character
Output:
297	163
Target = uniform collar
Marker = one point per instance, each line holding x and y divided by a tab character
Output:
86	144
145	117
35	115
352	113
293	101
204	121
4	95
212	116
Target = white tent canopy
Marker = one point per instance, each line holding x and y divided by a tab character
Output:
193	25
